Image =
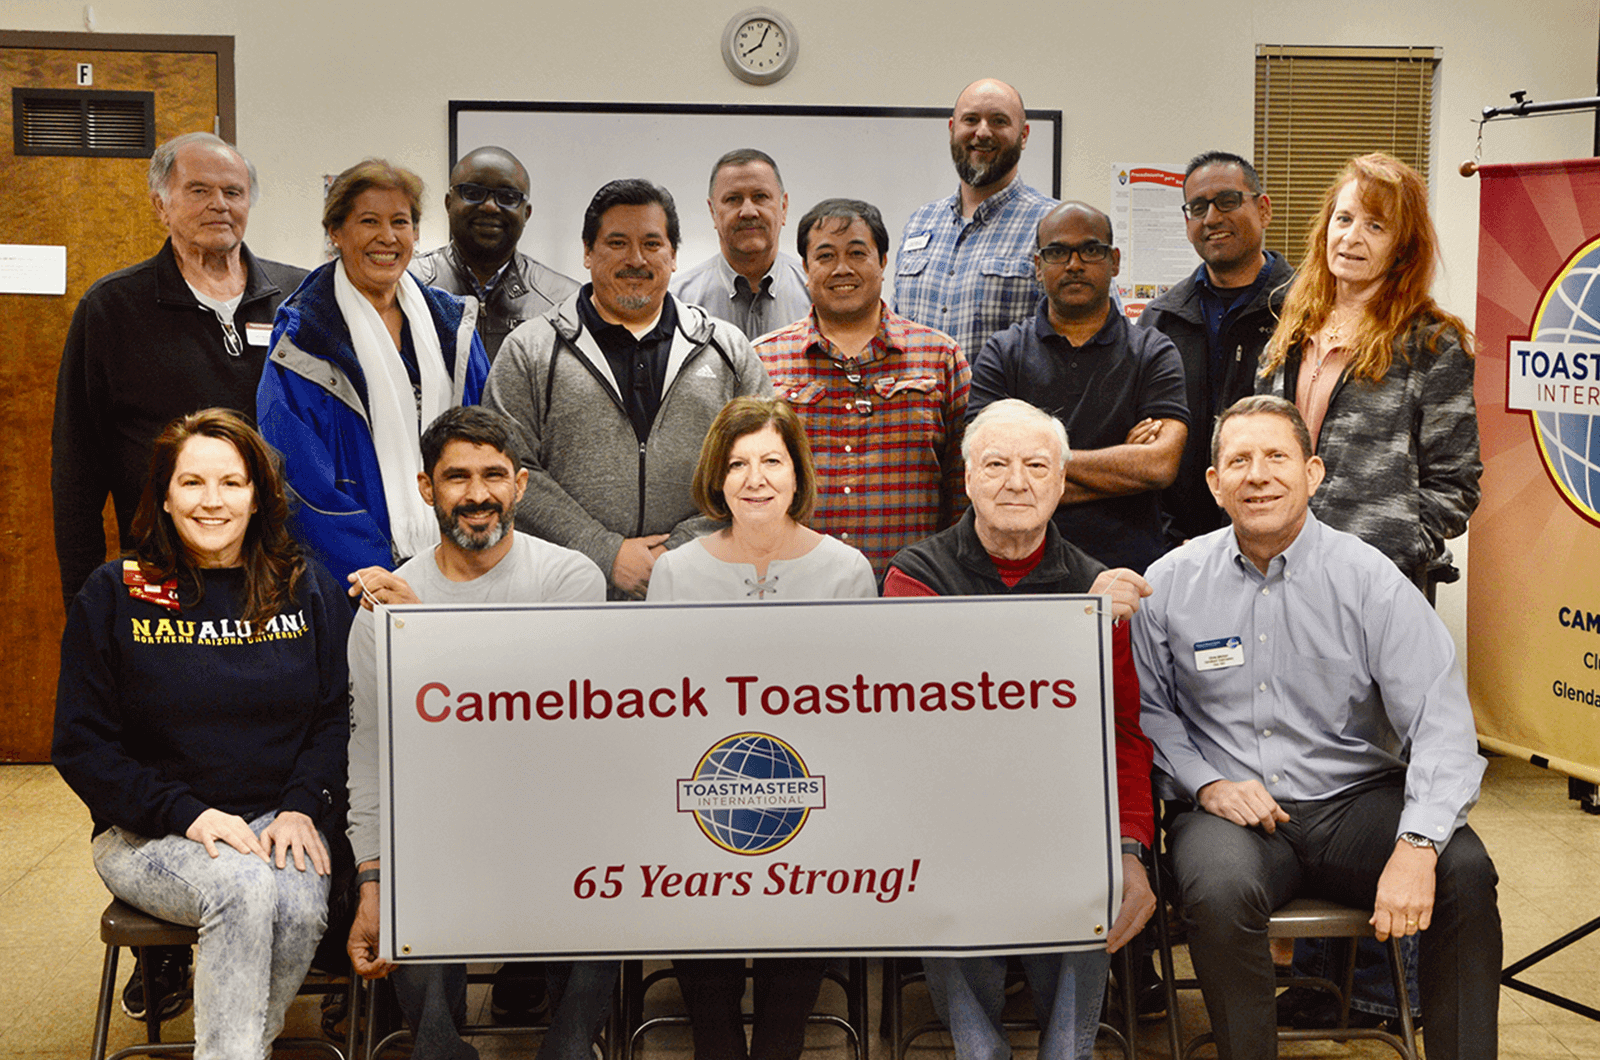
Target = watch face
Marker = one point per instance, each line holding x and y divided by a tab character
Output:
761	45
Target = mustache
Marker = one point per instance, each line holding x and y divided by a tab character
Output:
480	508
632	273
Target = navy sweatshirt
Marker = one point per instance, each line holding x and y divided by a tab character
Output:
162	714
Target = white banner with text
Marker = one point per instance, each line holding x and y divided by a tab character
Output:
832	777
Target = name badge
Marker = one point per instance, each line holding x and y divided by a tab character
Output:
918	241
258	334
1218	654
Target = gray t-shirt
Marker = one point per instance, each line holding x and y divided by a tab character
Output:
533	572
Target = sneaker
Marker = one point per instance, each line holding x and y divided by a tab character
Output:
169	975
1306	1008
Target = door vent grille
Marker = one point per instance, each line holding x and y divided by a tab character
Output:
100	124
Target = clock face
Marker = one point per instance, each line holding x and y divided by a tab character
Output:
761	45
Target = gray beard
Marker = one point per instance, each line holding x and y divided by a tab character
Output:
465	539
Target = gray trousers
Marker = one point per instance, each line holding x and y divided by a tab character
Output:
1232	878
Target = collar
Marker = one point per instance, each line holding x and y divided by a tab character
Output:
970	553
506	272
173	289
1109	330
891	336
993	204
1295	558
730	279
1203	280
603	330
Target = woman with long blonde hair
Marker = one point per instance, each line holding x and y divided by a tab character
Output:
1381	373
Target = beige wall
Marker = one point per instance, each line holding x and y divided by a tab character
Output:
322	83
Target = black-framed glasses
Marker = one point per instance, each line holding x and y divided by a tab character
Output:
477	194
1090	253
1224	201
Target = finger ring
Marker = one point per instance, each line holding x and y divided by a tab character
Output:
1410	921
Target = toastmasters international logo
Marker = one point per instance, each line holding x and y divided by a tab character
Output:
751	793
1554	376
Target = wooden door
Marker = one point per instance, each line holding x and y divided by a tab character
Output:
99	209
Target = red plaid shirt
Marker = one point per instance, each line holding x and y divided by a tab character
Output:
885	431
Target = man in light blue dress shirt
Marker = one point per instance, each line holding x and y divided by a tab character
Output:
1306	701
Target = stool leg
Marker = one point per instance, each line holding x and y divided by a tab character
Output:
152	1010
1130	1017
108	997
1397	971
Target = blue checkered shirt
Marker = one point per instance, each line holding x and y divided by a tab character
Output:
970	279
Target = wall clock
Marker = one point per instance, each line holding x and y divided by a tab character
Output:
760	46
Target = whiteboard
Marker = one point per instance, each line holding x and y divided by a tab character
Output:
896	158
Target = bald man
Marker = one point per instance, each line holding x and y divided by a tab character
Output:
488	208
1119	390
965	264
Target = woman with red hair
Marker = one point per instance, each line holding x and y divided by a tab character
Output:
1381	373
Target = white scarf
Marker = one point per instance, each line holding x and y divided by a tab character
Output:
392	406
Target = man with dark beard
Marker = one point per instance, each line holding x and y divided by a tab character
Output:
472	477
488	208
965	264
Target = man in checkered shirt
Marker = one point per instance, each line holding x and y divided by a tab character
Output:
966	262
882	398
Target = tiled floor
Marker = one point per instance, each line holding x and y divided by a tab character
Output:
1548	854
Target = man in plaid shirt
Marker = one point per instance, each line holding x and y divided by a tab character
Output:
882	398
966	262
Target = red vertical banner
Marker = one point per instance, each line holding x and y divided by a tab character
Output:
1533	597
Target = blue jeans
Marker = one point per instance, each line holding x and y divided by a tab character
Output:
1068	989
259	927
433	999
1374	984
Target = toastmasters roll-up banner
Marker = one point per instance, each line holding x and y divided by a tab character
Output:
917	776
1533	601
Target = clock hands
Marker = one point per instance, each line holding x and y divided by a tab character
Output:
759	43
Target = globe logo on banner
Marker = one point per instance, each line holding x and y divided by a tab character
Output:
751	793
1555	377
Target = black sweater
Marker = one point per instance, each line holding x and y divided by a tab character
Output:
141	352
162	714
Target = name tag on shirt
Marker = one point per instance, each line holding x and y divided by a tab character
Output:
918	241
258	334
1218	654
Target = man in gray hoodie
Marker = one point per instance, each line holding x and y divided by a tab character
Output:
614	391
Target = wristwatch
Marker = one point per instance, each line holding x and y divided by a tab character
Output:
366	876
1418	840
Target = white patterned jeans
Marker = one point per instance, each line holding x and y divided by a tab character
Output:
259	927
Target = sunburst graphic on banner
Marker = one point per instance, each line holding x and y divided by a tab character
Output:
1563	352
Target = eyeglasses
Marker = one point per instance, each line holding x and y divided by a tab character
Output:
477	194
1225	202
230	335
1091	253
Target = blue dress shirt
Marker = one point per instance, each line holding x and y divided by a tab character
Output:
1328	670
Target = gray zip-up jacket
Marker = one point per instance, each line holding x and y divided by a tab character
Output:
591	483
1402	455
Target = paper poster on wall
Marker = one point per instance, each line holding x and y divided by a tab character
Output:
1147	219
1533	594
27	268
865	777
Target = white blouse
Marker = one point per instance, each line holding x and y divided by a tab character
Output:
830	571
